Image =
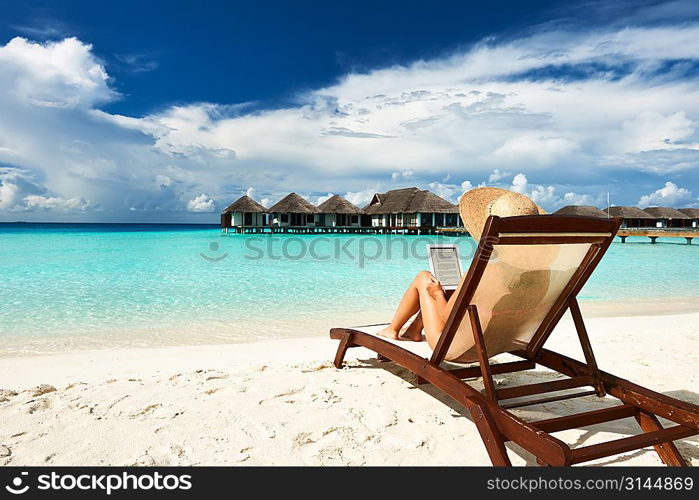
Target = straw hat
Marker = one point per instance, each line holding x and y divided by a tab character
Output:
476	205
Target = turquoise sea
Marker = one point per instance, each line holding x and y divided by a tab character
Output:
69	286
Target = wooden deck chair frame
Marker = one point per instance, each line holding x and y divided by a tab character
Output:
495	422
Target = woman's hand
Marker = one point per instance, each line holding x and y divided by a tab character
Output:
434	287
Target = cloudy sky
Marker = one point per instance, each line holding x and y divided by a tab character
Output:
139	111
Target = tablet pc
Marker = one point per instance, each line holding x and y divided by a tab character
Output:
445	264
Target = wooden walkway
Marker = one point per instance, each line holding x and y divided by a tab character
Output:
655	233
426	230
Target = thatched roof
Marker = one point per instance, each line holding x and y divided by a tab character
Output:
244	204
338	205
293	204
691	212
408	201
581	210
666	213
628	213
427	201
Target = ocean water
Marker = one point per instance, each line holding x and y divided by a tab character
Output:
82	286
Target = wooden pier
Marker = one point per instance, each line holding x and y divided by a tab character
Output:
422	230
655	233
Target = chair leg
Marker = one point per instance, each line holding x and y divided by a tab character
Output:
586	346
482	353
667	452
345	343
494	444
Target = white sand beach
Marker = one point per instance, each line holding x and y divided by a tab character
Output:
282	403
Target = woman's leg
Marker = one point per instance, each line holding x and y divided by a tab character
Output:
434	311
408	306
429	302
414	330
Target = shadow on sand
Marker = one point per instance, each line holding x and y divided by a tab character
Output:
624	427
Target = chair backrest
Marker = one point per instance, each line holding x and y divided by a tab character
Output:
522	278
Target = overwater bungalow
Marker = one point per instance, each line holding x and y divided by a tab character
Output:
243	213
294	211
633	217
338	212
693	214
582	211
411	208
669	217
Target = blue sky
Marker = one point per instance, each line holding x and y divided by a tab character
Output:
168	111
163	53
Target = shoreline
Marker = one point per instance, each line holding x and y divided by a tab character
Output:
281	402
94	365
154	339
642	307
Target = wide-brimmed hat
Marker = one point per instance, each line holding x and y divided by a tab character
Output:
476	205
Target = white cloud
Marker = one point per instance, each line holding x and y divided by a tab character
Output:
548	197
497	176
201	203
20	192
541	195
15	184
623	110
137	63
361	198
572	198
46	28
652	130
38	202
323	199
405	174
472	109
250	192
57	74
535	149
447	191
163	180
520	183
668	195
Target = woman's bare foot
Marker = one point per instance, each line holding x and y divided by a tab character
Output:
413	332
389	332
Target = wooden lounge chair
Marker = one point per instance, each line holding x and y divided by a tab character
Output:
526	272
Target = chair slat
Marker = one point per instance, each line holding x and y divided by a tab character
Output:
586	418
475	371
542	387
595	451
509	367
547	400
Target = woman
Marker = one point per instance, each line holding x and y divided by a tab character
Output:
425	294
